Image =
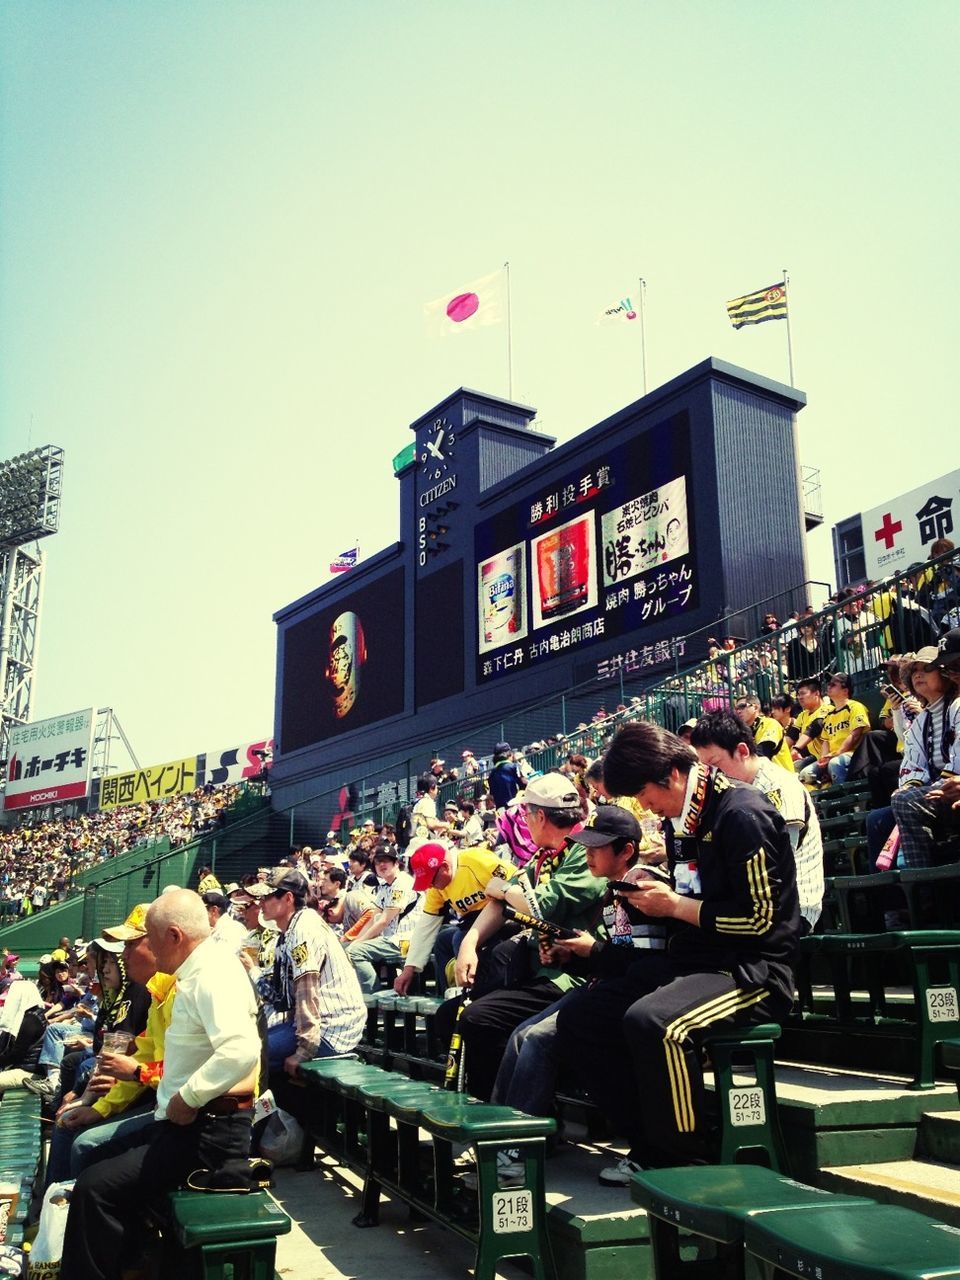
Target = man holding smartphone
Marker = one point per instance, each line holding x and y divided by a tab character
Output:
733	922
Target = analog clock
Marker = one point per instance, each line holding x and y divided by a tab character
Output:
436	452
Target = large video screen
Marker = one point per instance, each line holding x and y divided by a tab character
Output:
343	666
609	549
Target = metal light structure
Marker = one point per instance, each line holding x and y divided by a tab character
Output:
30	490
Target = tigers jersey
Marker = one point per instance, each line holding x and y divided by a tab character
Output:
839	723
809	722
398	897
466	891
772	742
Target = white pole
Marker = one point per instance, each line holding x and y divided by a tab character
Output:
506	267
643	333
789	340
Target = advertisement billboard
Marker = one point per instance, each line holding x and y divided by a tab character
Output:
50	760
344	665
501	593
564	571
603	551
237	764
155	782
900	533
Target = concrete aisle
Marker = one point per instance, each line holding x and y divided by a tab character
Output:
324	1245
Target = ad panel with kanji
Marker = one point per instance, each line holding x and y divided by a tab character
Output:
606	551
50	760
155	782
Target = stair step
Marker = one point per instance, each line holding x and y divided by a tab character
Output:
927	1186
939	1137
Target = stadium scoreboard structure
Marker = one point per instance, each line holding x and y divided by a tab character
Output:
523	569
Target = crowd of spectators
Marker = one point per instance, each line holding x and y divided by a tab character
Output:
603	914
40	861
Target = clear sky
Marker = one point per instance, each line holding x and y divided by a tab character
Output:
220	220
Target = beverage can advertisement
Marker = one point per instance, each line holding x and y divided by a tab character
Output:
502	599
566	571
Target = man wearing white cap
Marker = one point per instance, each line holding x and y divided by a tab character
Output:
555	884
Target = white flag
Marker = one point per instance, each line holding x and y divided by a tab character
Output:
624	310
479	303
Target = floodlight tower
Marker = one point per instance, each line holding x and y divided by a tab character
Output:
30	486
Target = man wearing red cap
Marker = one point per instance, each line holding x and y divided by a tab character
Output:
458	877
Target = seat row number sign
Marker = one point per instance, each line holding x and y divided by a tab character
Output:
512	1211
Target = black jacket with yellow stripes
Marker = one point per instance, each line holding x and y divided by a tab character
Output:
740	864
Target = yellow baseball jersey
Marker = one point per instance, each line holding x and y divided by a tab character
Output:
466	892
805	719
766	729
839	723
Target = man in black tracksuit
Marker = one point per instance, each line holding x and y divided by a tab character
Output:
733	923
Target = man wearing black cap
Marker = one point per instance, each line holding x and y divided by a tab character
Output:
313	981
611	838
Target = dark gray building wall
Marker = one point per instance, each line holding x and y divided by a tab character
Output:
745	519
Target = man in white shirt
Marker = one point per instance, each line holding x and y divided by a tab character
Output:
223	925
723	741
204	1101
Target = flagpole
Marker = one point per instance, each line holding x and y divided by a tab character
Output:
643	333
506	267
789	340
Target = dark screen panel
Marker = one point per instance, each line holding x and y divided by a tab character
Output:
439	635
343	666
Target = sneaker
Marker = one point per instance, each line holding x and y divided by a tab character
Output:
511	1171
43	1086
619	1174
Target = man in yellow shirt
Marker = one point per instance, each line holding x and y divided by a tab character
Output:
769	736
841	729
454	877
807	746
129	1103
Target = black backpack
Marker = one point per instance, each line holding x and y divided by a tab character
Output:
404	827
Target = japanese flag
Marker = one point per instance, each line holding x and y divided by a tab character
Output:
479	303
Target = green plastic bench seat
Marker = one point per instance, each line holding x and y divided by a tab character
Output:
232	1234
748	1113
376	1094
931	959
716	1200
467	1121
854	1242
319	1070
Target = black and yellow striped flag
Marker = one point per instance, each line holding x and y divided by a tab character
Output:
766	304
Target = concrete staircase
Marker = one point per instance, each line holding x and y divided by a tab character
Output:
928	1182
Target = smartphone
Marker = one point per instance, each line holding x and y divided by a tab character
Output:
655	873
